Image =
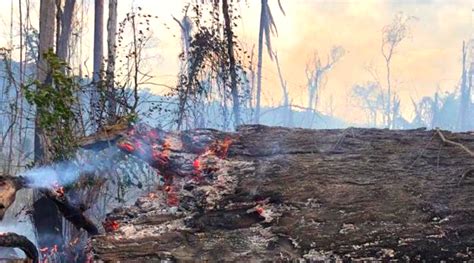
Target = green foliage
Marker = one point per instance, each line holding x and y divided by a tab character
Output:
207	65
54	106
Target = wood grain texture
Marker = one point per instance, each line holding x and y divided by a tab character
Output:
310	194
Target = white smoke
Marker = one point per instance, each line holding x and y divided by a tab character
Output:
68	172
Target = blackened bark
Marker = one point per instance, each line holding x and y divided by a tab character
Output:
16	241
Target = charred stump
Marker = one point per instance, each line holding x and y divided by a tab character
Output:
286	194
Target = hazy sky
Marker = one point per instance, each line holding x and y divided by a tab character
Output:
429	60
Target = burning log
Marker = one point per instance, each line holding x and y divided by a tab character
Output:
286	194
16	241
9	185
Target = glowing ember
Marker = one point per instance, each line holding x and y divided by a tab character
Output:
126	146
58	189
259	210
197	164
155	148
220	149
110	225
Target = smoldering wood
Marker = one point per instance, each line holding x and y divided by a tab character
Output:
17	241
286	194
9	186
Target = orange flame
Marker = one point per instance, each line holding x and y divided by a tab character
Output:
126	146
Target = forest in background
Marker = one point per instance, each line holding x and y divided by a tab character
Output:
46	93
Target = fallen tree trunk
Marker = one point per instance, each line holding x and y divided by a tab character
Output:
306	194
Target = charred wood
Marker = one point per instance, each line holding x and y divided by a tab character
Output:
17	241
287	194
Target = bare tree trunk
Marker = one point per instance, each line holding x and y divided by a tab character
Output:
46	37
389	94
46	42
66	28
98	55
111	49
259	63
464	99
233	72
20	90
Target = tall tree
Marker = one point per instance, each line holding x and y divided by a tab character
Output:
232	68
392	36
45	215
465	92
111	53
43	74
98	56
267	27
65	29
317	71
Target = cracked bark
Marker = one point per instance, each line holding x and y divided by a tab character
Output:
308	194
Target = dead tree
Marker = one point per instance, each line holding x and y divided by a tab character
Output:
465	93
316	71
392	36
